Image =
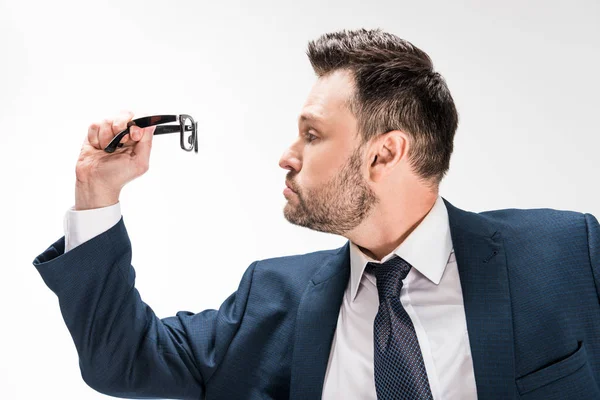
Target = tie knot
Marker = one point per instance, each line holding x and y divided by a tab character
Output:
389	275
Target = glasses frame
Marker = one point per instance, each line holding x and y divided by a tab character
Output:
152	120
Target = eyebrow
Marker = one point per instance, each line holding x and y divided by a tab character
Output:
309	117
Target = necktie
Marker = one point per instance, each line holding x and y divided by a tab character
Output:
399	368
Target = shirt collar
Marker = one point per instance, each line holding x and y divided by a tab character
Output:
427	248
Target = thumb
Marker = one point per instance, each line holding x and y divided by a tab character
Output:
144	146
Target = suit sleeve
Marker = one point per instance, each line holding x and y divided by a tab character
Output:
593	234
124	349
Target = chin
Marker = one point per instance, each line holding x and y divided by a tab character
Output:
291	215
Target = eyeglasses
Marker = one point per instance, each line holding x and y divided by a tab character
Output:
186	124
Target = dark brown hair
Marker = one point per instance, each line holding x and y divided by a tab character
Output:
395	88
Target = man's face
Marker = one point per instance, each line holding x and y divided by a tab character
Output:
326	170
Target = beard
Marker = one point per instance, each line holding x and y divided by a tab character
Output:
337	206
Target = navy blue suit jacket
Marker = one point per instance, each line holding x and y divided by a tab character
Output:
530	281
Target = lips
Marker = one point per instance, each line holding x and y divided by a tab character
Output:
288	185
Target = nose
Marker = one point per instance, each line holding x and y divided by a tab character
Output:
290	160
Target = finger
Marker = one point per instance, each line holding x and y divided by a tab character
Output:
137	132
144	146
105	133
120	124
92	136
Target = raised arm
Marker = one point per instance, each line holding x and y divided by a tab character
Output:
124	349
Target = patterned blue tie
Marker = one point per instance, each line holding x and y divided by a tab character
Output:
399	368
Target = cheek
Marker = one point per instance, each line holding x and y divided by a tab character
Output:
317	168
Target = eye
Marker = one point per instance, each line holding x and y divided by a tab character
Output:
310	137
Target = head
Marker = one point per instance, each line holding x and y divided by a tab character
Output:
378	125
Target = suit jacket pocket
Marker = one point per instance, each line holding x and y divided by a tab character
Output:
575	367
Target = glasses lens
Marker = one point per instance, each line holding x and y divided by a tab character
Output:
187	138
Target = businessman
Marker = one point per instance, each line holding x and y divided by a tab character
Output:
424	301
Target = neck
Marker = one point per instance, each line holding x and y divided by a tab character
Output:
391	222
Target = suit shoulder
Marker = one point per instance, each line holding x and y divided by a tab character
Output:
297	263
536	221
293	270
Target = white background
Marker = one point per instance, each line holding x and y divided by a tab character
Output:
524	75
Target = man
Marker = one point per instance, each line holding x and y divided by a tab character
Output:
424	301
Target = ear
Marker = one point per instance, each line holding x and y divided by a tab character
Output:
386	153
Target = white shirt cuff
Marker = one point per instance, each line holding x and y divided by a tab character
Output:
81	226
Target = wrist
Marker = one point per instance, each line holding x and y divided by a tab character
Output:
89	197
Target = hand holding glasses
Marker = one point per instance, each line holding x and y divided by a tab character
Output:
186	126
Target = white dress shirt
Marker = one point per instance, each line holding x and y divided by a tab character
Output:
431	295
81	226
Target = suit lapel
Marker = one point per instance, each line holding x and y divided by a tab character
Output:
481	261
315	326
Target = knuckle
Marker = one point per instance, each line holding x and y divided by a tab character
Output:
117	126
